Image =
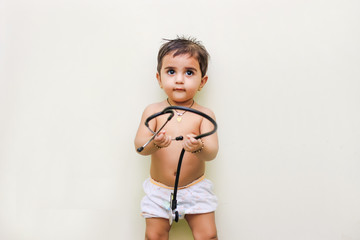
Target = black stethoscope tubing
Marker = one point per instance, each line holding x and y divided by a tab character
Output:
168	110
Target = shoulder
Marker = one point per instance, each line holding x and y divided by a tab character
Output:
154	108
205	110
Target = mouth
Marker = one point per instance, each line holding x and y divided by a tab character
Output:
179	89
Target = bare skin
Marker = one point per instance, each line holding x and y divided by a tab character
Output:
201	225
180	78
164	161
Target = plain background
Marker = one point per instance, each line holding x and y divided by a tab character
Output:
284	82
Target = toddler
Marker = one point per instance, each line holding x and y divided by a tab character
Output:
181	72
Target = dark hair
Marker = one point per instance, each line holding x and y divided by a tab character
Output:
183	45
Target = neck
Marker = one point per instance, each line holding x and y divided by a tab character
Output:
187	103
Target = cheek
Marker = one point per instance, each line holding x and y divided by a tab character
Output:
193	89
194	84
167	84
167	88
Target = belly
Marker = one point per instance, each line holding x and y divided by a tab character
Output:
164	165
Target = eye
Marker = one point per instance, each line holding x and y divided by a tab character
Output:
189	73
171	72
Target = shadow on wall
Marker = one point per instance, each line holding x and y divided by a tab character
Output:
180	231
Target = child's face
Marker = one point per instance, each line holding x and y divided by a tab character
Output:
180	77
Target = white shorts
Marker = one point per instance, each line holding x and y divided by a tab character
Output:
195	198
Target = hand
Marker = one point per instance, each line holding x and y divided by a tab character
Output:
191	144
162	140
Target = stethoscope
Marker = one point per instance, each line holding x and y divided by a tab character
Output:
169	110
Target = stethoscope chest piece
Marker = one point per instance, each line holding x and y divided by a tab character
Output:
173	213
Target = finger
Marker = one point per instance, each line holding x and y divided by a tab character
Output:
160	136
188	146
192	139
167	141
191	135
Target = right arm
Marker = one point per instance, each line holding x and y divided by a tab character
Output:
143	134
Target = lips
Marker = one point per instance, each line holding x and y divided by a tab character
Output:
179	89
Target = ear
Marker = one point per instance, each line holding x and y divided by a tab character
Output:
203	82
158	77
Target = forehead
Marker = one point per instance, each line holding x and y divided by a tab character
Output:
182	60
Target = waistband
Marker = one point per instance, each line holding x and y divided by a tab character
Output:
179	188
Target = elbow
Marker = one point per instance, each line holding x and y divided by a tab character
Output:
144	151
138	148
141	151
212	155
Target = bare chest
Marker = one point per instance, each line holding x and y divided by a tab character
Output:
182	125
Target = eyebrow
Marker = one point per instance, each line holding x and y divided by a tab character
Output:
187	68
169	67
192	69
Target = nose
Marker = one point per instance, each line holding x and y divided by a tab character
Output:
179	79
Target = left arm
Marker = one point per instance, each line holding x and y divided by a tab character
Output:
206	148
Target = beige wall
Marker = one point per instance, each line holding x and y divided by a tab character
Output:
284	82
